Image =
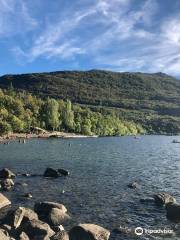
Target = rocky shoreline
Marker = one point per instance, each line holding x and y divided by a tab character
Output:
45	134
46	219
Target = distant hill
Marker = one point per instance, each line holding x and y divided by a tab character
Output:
150	99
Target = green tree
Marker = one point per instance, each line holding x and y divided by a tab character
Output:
52	116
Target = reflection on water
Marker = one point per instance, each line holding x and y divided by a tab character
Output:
100	170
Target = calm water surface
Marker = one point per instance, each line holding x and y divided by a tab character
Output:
100	170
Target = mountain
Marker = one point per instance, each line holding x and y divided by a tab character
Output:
150	99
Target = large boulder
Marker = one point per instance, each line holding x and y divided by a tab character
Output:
173	212
44	208
6	173
56	217
21	215
4	201
37	229
52	173
3	236
88	232
6	184
163	199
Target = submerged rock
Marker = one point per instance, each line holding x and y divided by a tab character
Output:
173	212
6	173
23	236
63	172
6	184
133	185
163	199
50	172
88	231
4	201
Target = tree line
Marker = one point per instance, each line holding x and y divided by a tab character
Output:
20	111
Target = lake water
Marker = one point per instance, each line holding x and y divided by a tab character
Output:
100	170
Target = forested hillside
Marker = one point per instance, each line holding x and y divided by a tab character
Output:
20	112
151	100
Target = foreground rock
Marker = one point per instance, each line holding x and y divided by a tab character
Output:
52	213
20	215
45	207
6	173
57	217
3	235
4	201
88	231
36	229
61	235
173	212
163	199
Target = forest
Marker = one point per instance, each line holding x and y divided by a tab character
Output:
20	111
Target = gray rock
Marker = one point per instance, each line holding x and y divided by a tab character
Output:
57	216
88	232
4	201
6	173
173	212
163	199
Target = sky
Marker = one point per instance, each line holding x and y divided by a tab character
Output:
117	35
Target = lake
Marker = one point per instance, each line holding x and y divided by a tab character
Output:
100	169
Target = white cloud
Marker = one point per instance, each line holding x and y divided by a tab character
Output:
114	34
15	18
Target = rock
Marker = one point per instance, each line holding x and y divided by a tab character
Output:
28	195
4	201
21	214
26	174
163	199
50	172
61	235
37	229
147	200
88	231
44	208
57	217
6	173
23	236
7	184
3	235
133	185
63	172
173	212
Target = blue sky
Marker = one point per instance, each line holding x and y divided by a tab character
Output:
118	35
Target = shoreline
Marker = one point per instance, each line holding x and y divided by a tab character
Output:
55	134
